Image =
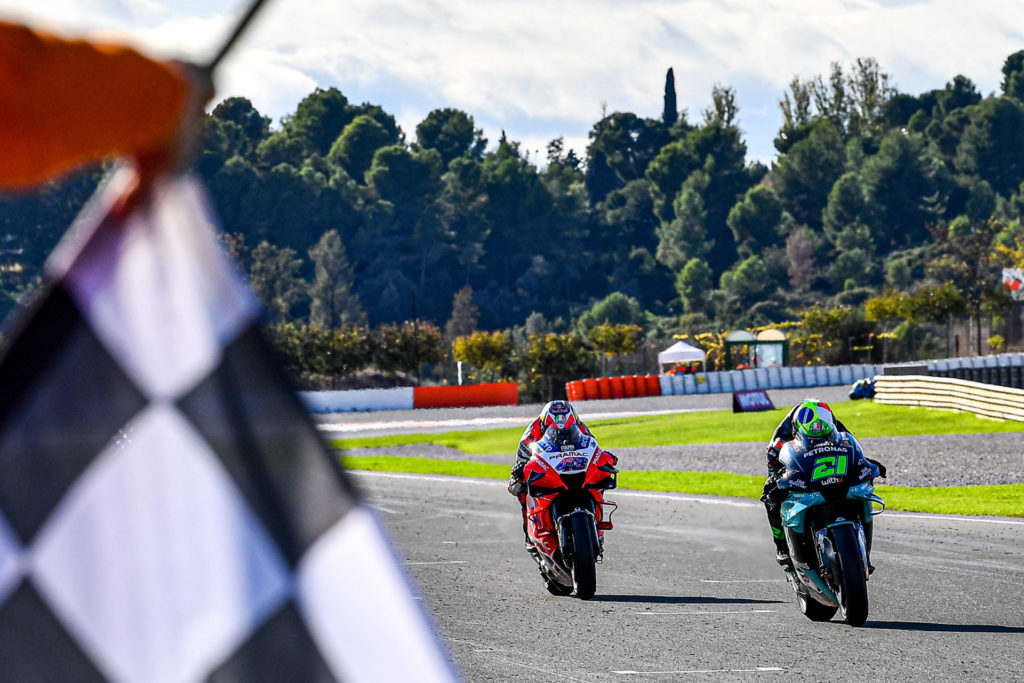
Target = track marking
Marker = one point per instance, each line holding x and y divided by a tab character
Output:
682	672
701	612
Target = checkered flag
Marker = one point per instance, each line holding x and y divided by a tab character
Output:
168	511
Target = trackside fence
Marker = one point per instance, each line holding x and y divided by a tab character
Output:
1004	403
766	378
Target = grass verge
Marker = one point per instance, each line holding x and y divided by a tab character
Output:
864	418
1002	500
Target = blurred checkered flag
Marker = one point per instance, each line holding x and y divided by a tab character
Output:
168	511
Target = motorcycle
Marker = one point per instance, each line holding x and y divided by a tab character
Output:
565	511
829	503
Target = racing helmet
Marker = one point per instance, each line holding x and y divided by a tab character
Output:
565	438
813	419
558	414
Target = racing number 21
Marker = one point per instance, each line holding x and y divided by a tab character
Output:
828	466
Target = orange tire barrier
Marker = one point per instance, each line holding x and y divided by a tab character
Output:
618	391
653	386
456	396
604	387
574	390
640	382
629	386
590	389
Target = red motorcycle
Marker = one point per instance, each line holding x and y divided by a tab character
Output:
566	478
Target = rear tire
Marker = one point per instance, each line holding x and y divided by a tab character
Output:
851	583
814	610
556	588
584	569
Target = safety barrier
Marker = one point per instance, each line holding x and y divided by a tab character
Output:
794	377
627	386
1004	369
466	395
407	398
1005	403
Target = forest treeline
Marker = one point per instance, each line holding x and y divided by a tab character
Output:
877	199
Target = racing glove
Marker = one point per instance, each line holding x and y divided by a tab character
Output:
880	466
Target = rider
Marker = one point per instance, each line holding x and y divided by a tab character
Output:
814	421
558	421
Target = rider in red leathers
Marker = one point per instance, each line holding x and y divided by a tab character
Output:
559	415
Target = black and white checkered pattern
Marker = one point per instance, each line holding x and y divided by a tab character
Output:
168	511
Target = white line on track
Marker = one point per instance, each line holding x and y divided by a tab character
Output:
700	613
681	672
709	500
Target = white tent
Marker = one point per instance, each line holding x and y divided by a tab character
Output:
681	352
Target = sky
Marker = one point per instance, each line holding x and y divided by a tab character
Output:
540	70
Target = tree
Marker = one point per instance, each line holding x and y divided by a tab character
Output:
964	256
805	175
803	265
332	301
754	221
490	352
552	360
685	236
694	284
906	186
1013	75
615	340
992	144
407	347
616	309
355	148
319	119
670	113
275	279
452	133
464	316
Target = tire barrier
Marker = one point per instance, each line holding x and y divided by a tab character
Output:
626	386
1003	403
407	398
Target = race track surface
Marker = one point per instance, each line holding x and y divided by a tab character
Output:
689	590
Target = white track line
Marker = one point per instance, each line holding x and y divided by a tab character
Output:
681	672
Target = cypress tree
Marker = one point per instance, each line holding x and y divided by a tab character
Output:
671	114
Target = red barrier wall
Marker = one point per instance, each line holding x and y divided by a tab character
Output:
455	396
618	390
641	385
604	387
629	386
589	389
653	386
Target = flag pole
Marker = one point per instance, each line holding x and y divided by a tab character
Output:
240	28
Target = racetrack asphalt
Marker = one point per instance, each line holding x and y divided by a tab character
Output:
689	591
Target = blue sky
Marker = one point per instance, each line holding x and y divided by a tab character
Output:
540	70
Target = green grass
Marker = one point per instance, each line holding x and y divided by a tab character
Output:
1005	500
864	418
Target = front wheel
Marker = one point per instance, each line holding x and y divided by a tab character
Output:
584	569
850	576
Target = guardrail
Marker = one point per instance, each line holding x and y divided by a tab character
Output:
952	394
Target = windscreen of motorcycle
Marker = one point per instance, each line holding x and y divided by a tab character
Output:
823	464
568	459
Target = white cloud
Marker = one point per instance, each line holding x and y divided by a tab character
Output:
541	70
